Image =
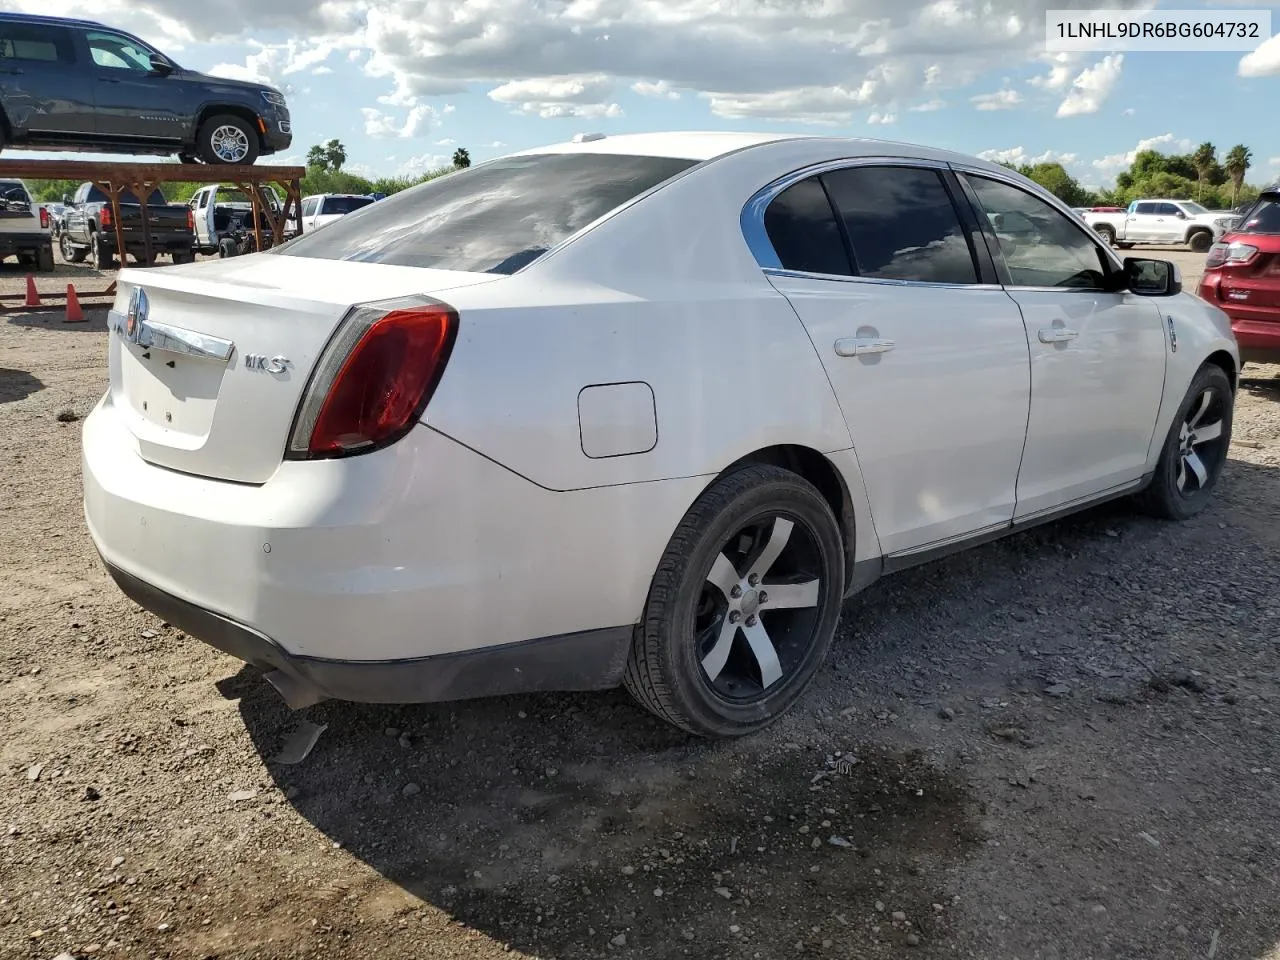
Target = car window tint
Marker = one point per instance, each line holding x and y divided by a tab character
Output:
309	206
1262	217
344	205
1041	246
803	230
902	225
33	43
1145	208
492	218
118	52
1166	210
14	198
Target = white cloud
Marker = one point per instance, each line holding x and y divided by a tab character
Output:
1262	62
446	142
1113	163
416	166
379	125
1128	112
1019	155
1059	75
497	145
1000	100
882	118
581	95
660	89
1090	90
321	71
928	106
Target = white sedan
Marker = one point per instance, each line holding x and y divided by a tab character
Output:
638	409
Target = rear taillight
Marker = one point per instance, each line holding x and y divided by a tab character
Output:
44	218
1223	254
374	378
104	218
191	221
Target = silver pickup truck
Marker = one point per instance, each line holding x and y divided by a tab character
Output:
24	228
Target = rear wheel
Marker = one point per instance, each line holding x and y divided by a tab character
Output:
227	139
184	256
743	606
1195	450
101	256
1107	233
1124	245
44	259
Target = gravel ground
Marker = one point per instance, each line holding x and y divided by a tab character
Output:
1063	745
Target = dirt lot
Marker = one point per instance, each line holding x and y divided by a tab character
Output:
1064	745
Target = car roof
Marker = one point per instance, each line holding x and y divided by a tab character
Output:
12	17
700	146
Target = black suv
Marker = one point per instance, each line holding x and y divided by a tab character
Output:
78	85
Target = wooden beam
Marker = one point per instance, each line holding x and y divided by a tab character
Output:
97	170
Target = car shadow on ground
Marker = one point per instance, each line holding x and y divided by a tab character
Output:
575	826
17	385
63	273
53	317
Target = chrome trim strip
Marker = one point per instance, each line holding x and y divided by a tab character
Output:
152	335
881	281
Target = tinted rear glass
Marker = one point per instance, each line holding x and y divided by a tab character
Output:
494	218
344	205
1262	217
154	199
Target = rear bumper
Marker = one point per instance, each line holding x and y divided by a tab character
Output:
11	243
417	551
160	241
588	660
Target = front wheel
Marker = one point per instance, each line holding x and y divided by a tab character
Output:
1195	450
1200	241
743	606
70	252
227	139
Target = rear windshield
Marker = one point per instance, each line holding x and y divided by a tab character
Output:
493	218
1262	217
154	199
13	197
344	205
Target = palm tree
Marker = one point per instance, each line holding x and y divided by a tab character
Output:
336	154
1203	160
1239	159
461	158
316	157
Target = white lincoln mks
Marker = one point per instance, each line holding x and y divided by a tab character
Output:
634	410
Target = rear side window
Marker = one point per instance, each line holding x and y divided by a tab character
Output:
344	205
1262	217
902	225
803	230
33	43
493	218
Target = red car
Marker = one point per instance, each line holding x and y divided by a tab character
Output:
1242	278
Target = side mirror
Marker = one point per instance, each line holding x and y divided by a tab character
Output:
1180	215
160	65
1152	278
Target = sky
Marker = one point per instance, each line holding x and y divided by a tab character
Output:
402	83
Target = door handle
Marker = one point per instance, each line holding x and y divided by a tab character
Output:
862	346
1058	335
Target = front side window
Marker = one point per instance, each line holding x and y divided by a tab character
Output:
1167	210
803	230
492	218
902	224
118	52
1041	246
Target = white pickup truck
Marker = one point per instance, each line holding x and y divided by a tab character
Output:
1159	221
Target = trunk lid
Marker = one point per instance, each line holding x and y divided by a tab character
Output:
204	398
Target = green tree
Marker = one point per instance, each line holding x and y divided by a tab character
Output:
461	158
1239	159
327	156
1204	159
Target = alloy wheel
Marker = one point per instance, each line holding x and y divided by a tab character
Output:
229	143
1201	444
759	610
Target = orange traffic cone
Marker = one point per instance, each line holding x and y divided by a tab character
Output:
33	295
74	313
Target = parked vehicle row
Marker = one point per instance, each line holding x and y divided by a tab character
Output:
782	368
78	85
1159	222
88	228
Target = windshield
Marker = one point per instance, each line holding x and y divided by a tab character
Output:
493	218
1262	217
344	205
1193	208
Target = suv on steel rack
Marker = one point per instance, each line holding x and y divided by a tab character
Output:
78	85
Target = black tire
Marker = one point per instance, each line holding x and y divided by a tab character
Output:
102	257
1124	245
689	621
213	138
1177	491
1108	234
1200	241
44	259
70	252
184	256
